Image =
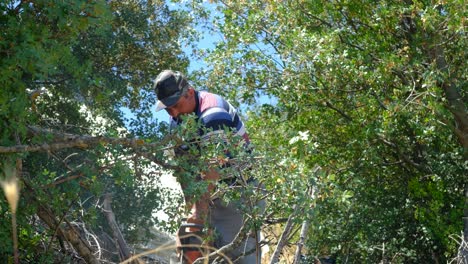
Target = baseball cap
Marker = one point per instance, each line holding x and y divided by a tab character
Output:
169	87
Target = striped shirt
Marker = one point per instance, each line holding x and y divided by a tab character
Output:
216	114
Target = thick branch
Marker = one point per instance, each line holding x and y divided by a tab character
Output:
457	105
83	249
45	213
302	239
76	142
304	229
402	155
225	250
70	234
66	140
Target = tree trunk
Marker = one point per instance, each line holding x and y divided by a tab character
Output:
284	237
300	244
457	107
456	103
124	252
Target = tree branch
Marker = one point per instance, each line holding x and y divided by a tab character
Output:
225	250
343	114
71	235
124	251
457	104
301	242
66	140
402	155
305	226
283	239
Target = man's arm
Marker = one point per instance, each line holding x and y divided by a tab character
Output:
199	210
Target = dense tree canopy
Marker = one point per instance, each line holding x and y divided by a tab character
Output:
364	141
372	92
67	69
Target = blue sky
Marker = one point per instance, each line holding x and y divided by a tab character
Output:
207	41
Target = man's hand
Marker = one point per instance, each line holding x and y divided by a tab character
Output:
211	176
200	209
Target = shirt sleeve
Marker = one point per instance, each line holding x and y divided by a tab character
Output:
215	120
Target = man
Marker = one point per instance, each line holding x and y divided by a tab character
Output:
215	114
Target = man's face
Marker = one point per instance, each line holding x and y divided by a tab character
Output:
185	105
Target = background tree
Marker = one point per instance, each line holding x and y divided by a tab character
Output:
67	68
372	92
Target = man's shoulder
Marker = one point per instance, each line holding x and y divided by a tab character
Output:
207	95
210	100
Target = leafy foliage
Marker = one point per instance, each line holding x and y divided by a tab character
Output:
368	92
70	66
366	134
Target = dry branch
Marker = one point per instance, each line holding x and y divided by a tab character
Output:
284	236
304	230
63	140
302	239
225	250
70	235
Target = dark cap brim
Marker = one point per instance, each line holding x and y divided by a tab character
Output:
168	101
